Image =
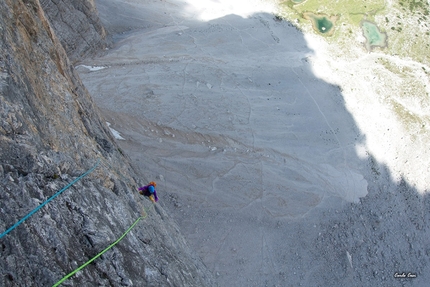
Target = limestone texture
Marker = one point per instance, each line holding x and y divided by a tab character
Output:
77	26
50	133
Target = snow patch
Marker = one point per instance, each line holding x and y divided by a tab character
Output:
115	133
92	68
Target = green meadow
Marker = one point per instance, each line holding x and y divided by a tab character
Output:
404	23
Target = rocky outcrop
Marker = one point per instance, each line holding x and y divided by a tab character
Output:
76	25
50	133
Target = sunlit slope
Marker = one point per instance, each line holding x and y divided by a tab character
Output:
386	87
405	22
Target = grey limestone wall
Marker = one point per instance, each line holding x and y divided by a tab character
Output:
77	26
50	133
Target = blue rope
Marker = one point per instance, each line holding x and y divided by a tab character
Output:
48	200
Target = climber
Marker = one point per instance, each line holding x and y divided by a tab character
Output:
149	191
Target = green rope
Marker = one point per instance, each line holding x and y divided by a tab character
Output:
98	255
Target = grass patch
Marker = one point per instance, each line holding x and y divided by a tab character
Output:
412	122
406	22
349	12
343	7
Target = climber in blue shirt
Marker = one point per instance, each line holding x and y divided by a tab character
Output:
149	191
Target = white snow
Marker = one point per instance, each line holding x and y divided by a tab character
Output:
91	68
115	133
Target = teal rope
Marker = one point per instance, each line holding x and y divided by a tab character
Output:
98	255
48	200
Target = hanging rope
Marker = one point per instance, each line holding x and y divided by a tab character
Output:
98	255
48	200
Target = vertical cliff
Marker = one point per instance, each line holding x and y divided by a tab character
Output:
76	25
50	133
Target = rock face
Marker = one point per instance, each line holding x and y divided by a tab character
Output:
50	133
76	25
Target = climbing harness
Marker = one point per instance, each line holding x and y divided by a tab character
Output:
101	253
48	200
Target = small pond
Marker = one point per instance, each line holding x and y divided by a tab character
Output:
374	37
321	23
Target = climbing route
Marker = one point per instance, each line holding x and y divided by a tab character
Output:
99	254
48	200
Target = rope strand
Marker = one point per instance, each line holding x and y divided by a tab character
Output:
48	200
98	255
